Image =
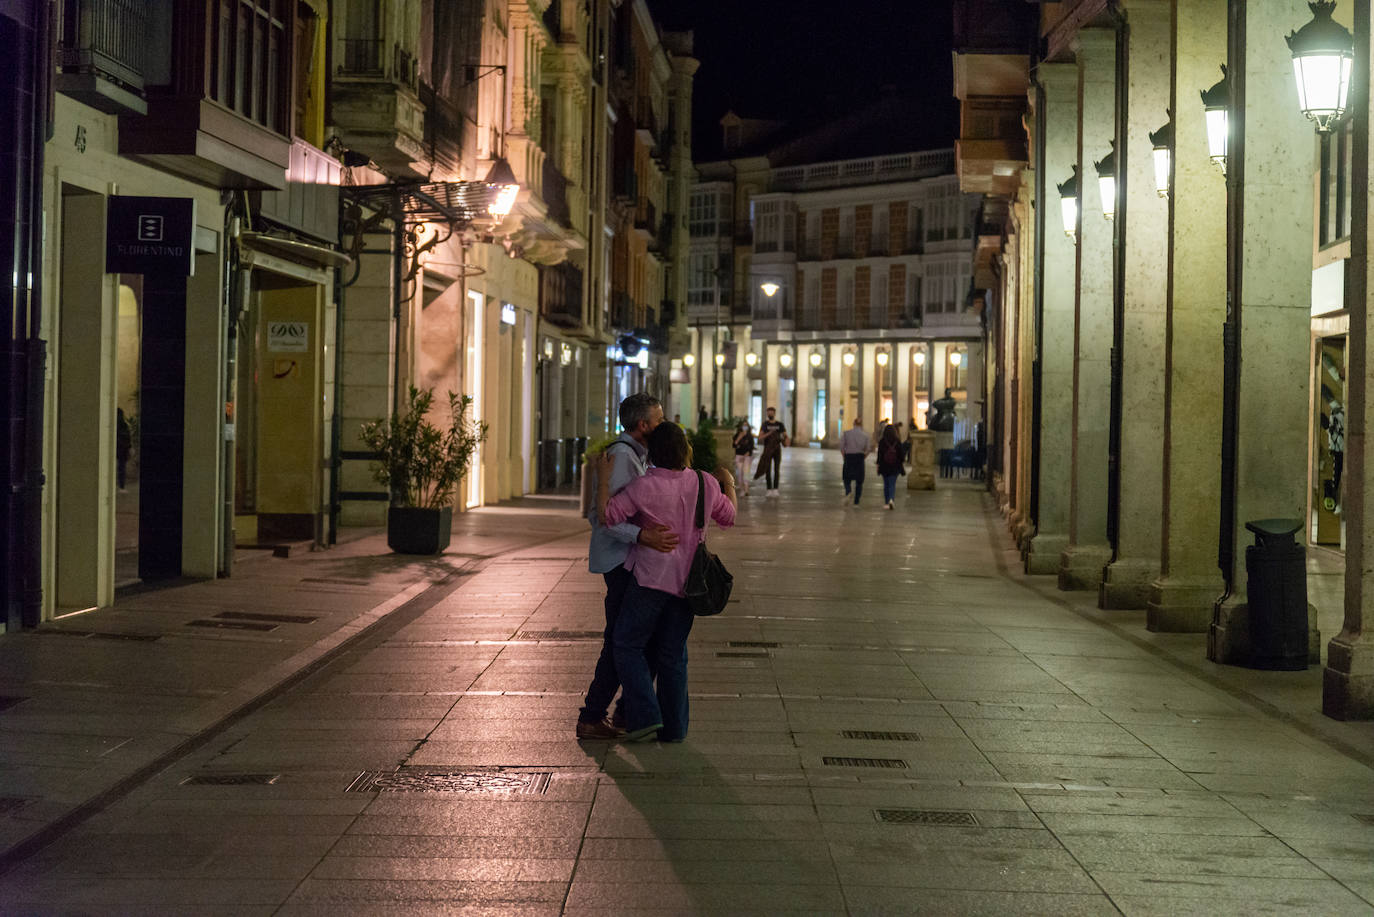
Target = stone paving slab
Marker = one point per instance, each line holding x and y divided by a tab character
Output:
1045	761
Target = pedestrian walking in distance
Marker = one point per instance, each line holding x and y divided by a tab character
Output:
854	448
772	436
890	463
744	451
655	618
625	460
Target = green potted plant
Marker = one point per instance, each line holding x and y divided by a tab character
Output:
421	464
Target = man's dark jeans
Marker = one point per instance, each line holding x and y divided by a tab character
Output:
854	471
605	680
772	469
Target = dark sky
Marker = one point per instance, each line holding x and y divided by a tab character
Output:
787	58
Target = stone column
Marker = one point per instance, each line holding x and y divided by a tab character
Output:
1088	552
1019	376
1348	681
1270	163
1144	229
901	384
1042	550
806	396
1180	599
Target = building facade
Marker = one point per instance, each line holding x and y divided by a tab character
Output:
1175	265
324	158
831	290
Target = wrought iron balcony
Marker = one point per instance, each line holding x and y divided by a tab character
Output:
555	193
560	294
103	54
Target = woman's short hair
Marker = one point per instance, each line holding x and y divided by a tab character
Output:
668	447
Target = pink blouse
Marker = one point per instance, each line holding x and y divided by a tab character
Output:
664	497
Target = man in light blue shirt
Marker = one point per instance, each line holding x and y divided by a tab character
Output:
639	414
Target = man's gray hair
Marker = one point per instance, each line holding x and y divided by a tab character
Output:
636	408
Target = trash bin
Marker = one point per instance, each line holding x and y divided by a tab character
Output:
1276	576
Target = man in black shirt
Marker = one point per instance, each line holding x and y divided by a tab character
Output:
773	436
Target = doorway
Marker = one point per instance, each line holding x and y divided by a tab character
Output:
1328	443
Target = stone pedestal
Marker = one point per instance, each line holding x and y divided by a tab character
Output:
922	473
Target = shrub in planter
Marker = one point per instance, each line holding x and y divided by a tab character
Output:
421	464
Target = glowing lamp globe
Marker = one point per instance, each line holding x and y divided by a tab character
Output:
1323	54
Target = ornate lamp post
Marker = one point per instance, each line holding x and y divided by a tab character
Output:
1106	183
1068	204
1216	103
1163	141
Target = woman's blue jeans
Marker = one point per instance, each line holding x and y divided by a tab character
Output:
889	487
654	619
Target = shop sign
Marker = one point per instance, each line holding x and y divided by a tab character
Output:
507	313
288	337
150	235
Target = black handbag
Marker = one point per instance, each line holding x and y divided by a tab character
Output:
708	582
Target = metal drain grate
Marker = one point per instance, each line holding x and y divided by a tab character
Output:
530	783
336	582
230	780
275	619
560	635
137	638
925	817
10	804
895	763
8	702
231	625
761	644
877	736
728	655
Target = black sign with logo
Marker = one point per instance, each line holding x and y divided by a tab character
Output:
150	235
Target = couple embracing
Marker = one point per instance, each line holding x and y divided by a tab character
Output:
644	535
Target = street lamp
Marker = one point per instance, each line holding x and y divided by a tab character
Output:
816	358
848	358
503	177
1106	182
720	359
956	358
1323	52
919	357
769	289
1215	103
750	359
1163	140
1068	204
881	357
689	360
785	360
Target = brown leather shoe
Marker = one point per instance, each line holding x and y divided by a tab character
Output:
602	731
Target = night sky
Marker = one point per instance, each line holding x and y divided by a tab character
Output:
785	59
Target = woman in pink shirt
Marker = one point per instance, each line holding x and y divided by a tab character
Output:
654	612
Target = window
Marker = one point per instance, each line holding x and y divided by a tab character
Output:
880	230
1336	161
701	279
767	226
879	309
250	58
701	218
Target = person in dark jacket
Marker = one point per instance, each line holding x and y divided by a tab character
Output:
890	463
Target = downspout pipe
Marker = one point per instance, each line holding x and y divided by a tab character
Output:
1123	96
1231	329
1041	227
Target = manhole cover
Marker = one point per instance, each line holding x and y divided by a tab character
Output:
876	736
230	780
530	783
8	702
560	635
253	616
231	625
925	817
10	804
762	644
742	655
831	761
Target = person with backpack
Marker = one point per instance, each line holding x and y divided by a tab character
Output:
623	461
650	639
890	463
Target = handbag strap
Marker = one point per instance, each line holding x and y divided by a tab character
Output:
701	503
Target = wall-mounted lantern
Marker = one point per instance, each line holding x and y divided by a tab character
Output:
1163	141
1106	182
918	357
750	359
881	357
1216	103
1068	204
785	360
689	360
1323	53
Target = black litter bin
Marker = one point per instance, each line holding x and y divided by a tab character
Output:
1276	572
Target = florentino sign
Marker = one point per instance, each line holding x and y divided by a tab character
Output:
150	235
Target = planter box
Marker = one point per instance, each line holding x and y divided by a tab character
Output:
410	530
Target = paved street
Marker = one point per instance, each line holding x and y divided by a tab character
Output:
888	720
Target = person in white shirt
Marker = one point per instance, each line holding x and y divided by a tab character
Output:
854	446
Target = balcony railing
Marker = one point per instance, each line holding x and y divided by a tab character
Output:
362	56
622	310
107	39
556	193
646	217
865	171
560	294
